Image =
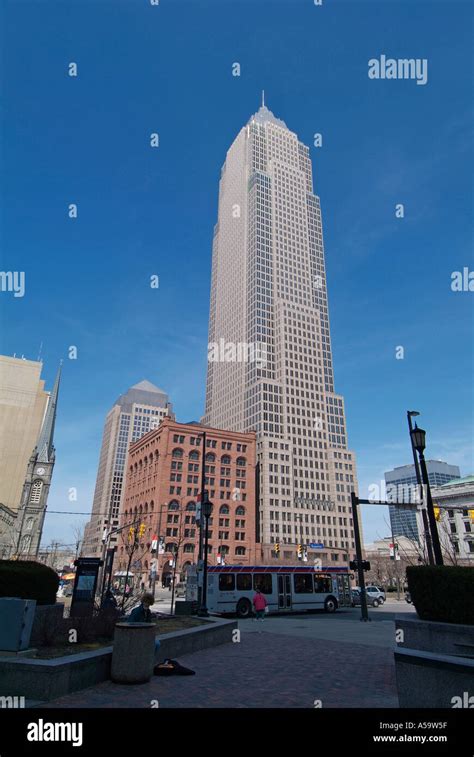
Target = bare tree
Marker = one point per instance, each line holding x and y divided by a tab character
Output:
77	529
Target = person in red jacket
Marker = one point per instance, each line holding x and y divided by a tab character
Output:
259	603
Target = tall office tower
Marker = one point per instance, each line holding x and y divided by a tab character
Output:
134	414
401	486
23	402
269	305
27	420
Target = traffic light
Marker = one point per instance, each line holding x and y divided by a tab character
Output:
353	565
131	533
437	513
141	531
299	551
471	515
276	550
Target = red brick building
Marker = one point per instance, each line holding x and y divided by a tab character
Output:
163	487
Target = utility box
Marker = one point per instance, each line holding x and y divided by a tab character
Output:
16	622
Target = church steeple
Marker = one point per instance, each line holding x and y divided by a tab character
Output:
44	446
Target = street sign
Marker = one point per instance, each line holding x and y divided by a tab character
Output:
316	545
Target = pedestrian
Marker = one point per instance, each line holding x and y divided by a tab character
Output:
142	614
259	603
109	602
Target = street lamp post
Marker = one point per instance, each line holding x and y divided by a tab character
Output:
426	528
418	436
206	509
203	493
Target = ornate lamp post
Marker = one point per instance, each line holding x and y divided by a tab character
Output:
206	509
418	436
426	528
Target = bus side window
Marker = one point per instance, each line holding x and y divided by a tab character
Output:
263	581
244	582
322	584
303	583
226	582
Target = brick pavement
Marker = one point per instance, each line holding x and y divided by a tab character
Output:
262	670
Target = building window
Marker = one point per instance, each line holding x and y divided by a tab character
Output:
177	452
224	510
36	491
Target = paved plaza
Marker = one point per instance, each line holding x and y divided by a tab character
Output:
293	661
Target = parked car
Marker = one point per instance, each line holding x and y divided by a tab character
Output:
371	599
376	591
181	589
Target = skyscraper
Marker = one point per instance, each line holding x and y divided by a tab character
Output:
402	485
268	292
134	414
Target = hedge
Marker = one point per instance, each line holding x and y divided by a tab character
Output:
442	592
27	579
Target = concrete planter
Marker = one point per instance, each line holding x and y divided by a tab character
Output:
46	617
44	680
432	636
434	663
430	679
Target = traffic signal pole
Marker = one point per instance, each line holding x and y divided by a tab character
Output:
360	568
355	501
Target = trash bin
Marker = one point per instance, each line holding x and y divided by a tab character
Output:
133	656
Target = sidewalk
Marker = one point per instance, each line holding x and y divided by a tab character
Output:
262	670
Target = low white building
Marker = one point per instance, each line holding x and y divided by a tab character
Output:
455	501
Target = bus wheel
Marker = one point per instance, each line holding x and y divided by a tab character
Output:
244	608
330	604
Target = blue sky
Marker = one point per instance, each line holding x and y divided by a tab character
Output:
143	211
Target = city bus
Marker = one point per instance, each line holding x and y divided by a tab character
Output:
230	588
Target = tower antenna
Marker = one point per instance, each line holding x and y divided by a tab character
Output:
263	98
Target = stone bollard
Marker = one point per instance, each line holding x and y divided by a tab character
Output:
133	656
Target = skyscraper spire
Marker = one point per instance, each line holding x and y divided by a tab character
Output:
44	445
263	98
